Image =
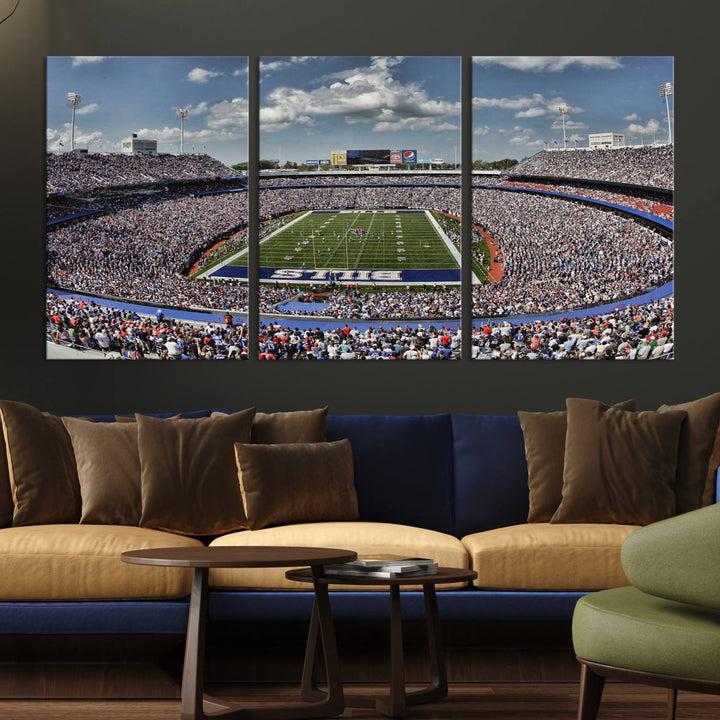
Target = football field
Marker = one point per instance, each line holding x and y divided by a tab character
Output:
345	240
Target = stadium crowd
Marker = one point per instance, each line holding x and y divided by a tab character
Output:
67	172
649	165
355	178
652	203
636	333
128	335
560	255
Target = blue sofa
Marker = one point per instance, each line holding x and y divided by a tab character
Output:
455	474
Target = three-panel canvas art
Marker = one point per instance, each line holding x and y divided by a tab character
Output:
360	248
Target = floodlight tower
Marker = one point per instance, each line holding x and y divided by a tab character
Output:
182	113
666	90
564	110
74	99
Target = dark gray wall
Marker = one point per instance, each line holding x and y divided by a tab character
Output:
297	27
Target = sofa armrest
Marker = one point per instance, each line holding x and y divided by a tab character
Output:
677	558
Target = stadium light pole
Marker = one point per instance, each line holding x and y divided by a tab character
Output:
74	99
182	113
563	109
666	90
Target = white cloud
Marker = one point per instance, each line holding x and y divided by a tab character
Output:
527	106
240	71
532	112
273	65
550	63
631	118
199	109
368	94
60	139
569	125
649	128
228	115
87	59
86	109
201	75
481	130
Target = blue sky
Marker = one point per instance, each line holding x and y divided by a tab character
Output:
311	106
123	95
516	100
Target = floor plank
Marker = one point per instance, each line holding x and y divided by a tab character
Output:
476	701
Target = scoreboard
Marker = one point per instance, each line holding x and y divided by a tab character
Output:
368	157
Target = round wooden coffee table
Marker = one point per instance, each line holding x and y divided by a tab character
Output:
395	704
193	705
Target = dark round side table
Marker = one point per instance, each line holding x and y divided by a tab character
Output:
395	704
193	705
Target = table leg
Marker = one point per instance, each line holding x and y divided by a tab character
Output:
196	707
438	687
193	670
398	700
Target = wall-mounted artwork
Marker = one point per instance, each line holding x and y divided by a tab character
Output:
145	187
573	208
360	208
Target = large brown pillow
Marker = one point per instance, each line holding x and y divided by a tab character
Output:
41	466
108	466
188	473
297	426
619	466
544	435
297	483
697	438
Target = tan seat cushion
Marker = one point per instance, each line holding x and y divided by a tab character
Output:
82	562
544	556
365	538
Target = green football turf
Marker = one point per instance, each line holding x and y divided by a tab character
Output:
326	240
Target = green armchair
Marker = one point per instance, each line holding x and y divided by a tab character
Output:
664	629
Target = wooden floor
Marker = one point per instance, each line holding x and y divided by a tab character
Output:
479	701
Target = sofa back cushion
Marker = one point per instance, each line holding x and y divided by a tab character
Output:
403	467
491	479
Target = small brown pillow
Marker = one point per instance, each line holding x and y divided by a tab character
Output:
41	466
544	435
188	473
108	466
298	426
297	483
619	466
697	438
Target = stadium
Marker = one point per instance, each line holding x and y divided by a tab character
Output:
572	258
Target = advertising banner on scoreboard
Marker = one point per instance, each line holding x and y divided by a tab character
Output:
311	162
396	157
338	158
409	157
325	162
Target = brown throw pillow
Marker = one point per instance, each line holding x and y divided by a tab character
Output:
41	466
697	438
619	466
131	418
188	473
108	466
6	500
298	426
297	483
544	435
